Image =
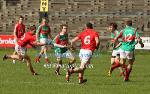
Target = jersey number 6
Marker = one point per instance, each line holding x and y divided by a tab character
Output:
87	40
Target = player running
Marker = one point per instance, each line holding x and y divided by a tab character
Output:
130	38
61	43
20	48
116	51
43	35
19	31
89	42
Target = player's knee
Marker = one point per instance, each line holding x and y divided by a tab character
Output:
83	67
122	61
59	60
20	57
72	60
131	61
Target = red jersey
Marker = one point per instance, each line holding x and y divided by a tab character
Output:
88	39
27	38
20	30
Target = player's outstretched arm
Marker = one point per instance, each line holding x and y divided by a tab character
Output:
74	40
37	33
60	46
118	45
15	32
97	42
35	44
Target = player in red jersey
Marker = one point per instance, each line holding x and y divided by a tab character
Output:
20	48
89	42
19	31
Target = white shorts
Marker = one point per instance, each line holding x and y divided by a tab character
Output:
116	53
67	54
45	41
85	55
126	54
15	41
20	50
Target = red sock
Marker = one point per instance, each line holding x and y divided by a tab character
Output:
122	74
80	78
37	59
116	65
124	66
47	60
72	71
88	63
127	73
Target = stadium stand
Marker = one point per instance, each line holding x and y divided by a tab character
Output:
76	13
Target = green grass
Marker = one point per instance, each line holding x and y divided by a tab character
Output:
16	78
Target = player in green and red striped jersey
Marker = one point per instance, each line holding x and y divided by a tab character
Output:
130	37
61	43
115	59
43	34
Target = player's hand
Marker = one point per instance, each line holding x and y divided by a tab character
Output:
97	47
72	48
16	39
142	45
37	40
65	46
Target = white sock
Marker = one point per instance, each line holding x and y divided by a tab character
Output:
14	61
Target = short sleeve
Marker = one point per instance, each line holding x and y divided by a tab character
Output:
97	35
32	39
57	40
79	36
120	34
38	29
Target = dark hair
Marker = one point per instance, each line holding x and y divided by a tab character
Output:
129	22
21	17
32	27
114	25
61	26
89	25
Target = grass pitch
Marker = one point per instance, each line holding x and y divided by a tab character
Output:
16	78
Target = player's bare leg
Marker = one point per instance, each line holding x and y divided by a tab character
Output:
81	74
48	63
128	69
14	53
117	59
112	63
59	64
79	70
118	64
46	57
71	62
29	65
14	57
37	59
20	57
